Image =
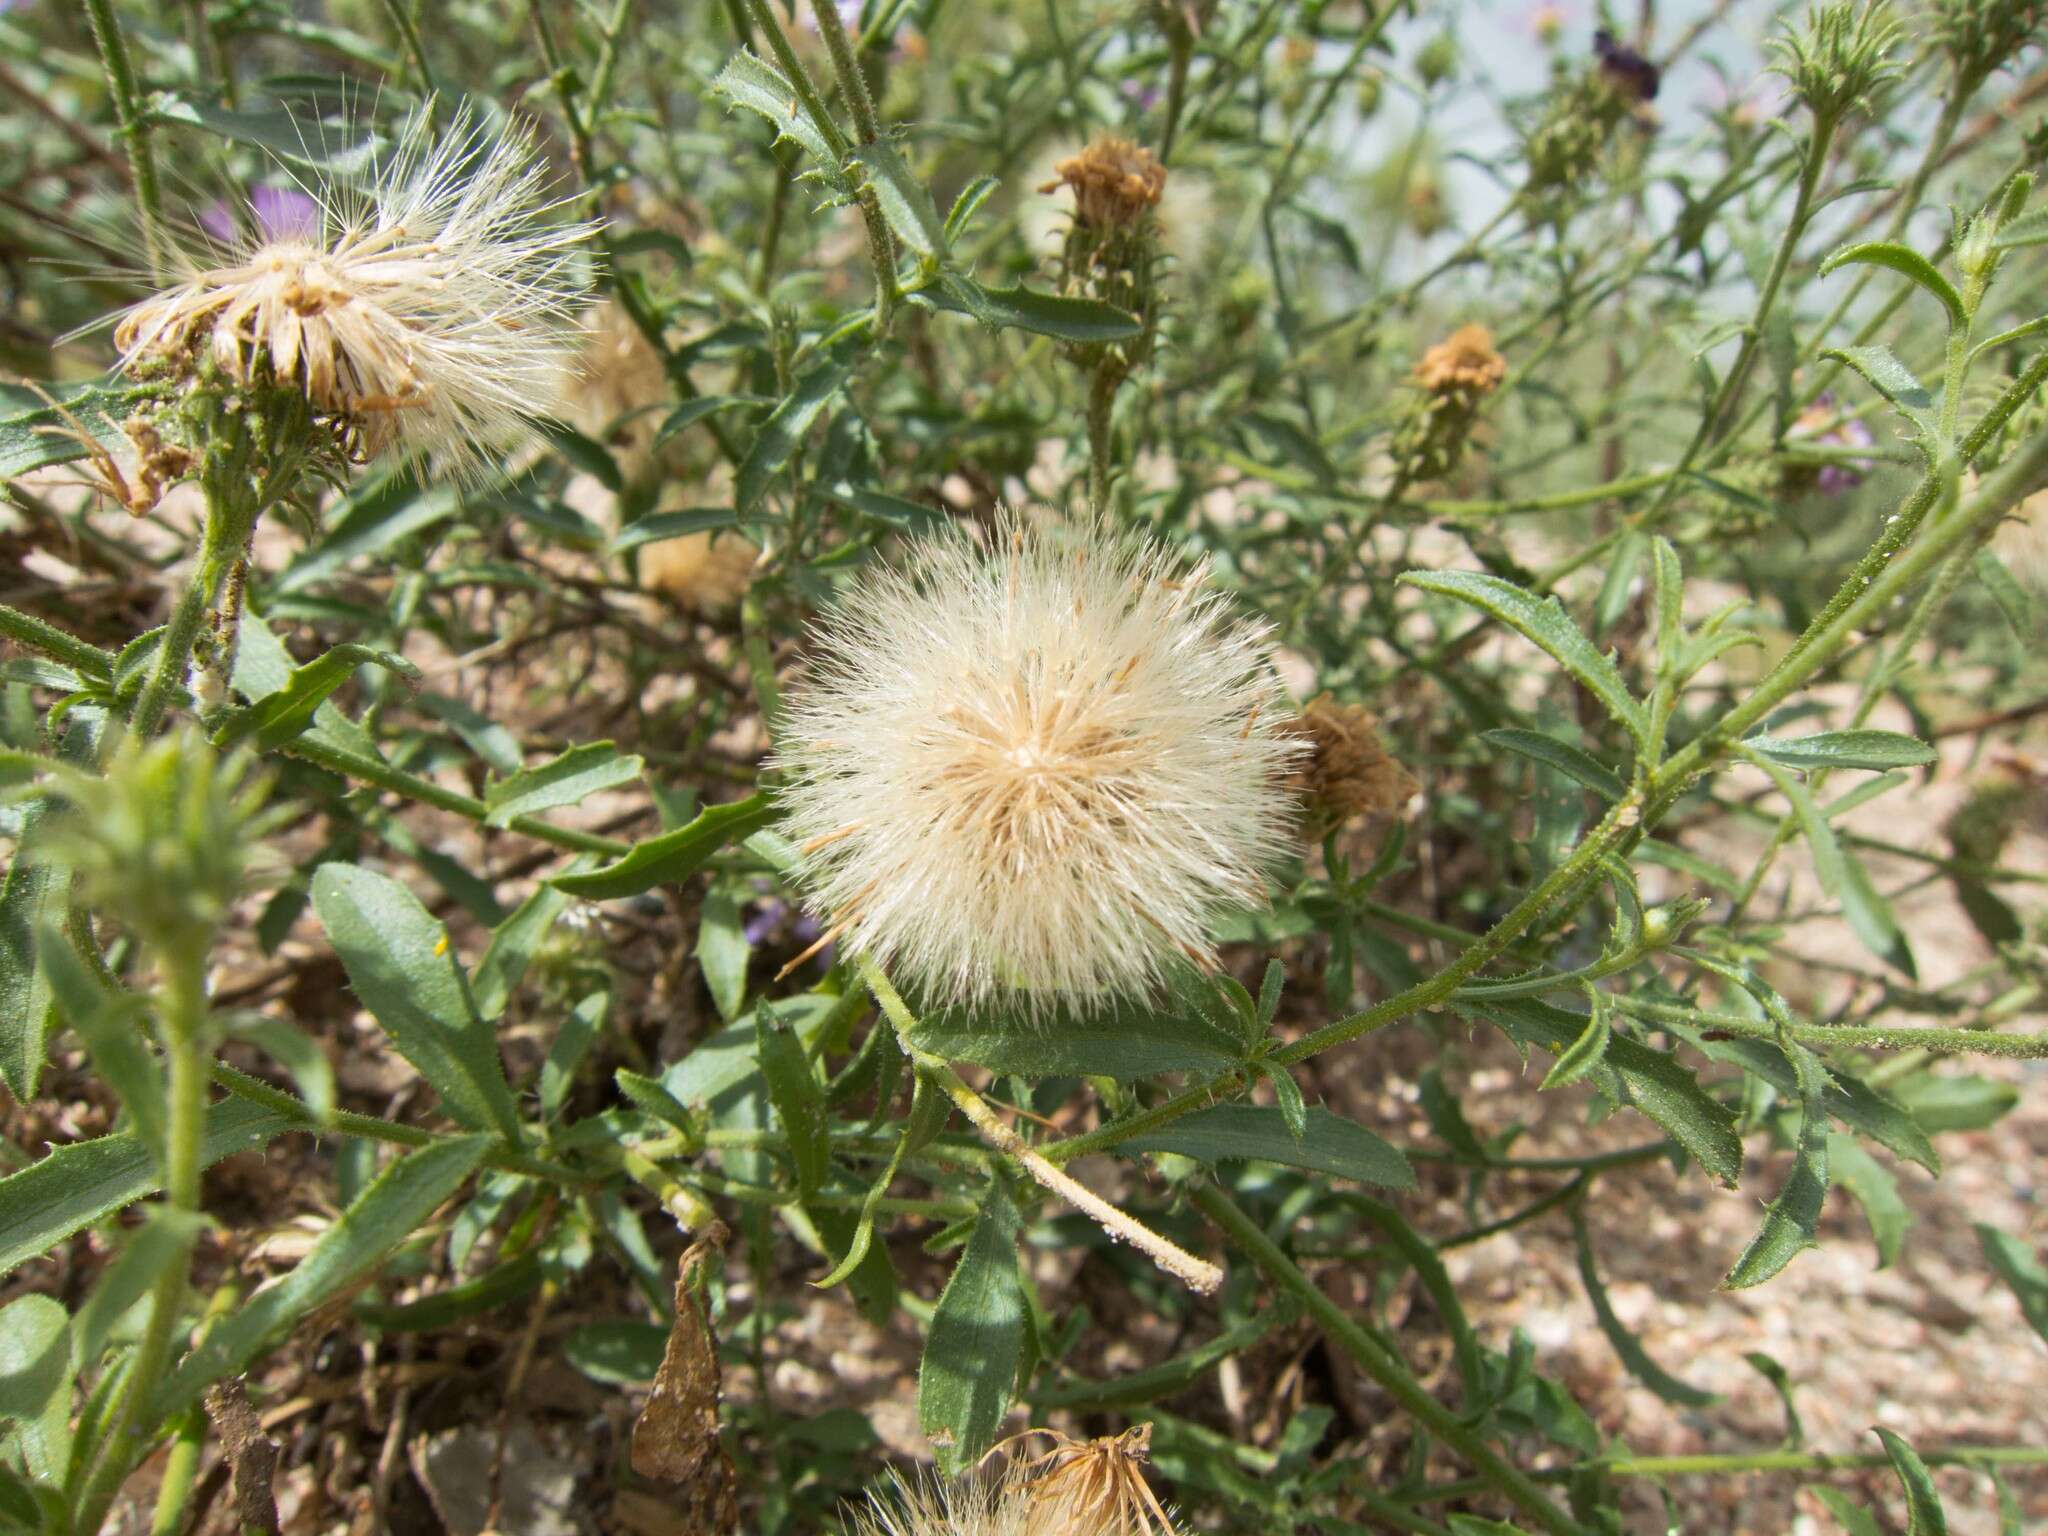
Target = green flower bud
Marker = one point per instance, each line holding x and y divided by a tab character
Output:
1437	63
1841	58
163	841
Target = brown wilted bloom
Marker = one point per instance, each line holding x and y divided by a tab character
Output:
1348	772
706	572
1079	1488
1463	365
1116	183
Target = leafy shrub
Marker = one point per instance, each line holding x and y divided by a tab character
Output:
746	572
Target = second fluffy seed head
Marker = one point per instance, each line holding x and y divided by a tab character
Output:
1039	762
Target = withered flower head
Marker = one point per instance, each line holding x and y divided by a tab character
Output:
1078	1488
428	314
1116	183
1464	364
1348	772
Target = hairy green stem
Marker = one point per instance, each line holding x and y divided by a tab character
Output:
1819	1461
1979	1042
128	112
182	1011
404	24
1387	1369
221	546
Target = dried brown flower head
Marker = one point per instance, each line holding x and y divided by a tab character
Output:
707	573
1348	772
1078	1488
1116	183
1464	364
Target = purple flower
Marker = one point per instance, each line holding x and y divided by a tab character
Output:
1819	423
279	213
1140	95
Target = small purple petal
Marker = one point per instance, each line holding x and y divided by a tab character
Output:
284	213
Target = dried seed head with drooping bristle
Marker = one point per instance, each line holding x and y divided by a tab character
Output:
1079	1488
1116	183
1043	762
430	314
1348	772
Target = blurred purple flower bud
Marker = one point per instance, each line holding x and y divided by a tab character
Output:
279	213
1630	73
1140	95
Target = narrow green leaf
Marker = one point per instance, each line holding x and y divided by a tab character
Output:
783	432
1790	1222
672	525
35	1382
2019	1269
976	1341
1871	1185
376	513
799	1101
1774	1373
1924	1515
1543	622
569	779
929	1111
673	856
1955	1101
723	952
1908	263
617	1354
890	511
34	436
1329	1144
759	87
1584	1053
33	887
1572	762
1126	1041
2014	601
690	412
74	1186
399	961
585	453
1895	381
512	947
967	204
1631	1073
496	1286
397	1204
1627	1347
111	1024
1287	1095
277	717
725	1058
905	202
1854	1520
1042	314
164	1236
578	1032
1843	749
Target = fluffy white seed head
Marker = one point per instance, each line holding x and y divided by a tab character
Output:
430	313
1041	762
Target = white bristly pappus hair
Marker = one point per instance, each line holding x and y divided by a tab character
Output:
1037	764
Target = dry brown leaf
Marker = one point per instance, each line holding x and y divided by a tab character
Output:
250	1454
675	1439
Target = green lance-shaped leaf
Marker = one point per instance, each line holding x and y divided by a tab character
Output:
277	717
1627	1347
1632	1073
1871	1185
799	1101
929	1111
1853	1518
69	1189
2019	1269
513	944
1793	1217
1895	381
672	525
402	968
760	87
783	432
1329	1143
1082	321
1125	1041
905	201
1924	1516
1584	1053
673	856
1843	749
1572	762
574	776
1842	874
397	1203
34	886
967	204
110	1023
976	1341
1544	622
1908	263
35	1382
723	952
34	435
